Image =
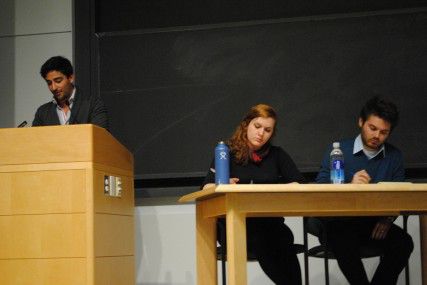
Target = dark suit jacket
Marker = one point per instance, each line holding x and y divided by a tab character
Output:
86	109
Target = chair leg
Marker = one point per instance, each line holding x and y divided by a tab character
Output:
223	253
407	274
405	228
326	270
224	277
326	261
306	272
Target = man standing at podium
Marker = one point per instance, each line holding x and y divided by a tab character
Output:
369	159
69	105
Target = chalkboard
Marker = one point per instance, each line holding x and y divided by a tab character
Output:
172	94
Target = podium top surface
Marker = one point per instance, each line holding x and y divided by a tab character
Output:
62	144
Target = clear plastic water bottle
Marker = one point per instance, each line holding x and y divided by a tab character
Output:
337	164
222	164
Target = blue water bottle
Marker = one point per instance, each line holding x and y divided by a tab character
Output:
222	164
337	164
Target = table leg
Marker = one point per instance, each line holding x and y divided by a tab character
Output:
206	248
423	245
236	247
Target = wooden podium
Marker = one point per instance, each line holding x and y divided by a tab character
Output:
57	223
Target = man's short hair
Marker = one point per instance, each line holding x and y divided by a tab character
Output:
57	63
382	108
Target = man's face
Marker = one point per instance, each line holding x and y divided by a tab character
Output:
374	131
60	85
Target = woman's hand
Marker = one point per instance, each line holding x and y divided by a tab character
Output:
208	185
234	180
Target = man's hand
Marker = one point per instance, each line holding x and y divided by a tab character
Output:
361	177
381	229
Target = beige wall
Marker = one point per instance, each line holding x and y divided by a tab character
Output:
7	65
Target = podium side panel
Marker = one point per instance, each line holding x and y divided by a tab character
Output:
114	235
108	151
123	205
64	271
45	144
115	270
42	236
39	192
113	230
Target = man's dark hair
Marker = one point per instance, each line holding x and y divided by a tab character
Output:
382	108
57	63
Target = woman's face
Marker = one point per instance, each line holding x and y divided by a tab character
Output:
259	132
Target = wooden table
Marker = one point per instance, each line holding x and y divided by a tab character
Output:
238	201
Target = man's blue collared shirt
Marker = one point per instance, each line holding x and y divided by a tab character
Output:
380	167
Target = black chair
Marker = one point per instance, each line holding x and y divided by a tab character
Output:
222	251
314	227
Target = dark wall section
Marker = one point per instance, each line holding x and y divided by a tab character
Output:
172	93
116	15
83	40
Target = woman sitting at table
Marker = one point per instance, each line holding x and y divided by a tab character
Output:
254	160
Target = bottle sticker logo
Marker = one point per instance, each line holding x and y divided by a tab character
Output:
222	155
338	164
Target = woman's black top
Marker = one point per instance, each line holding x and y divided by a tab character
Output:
276	167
